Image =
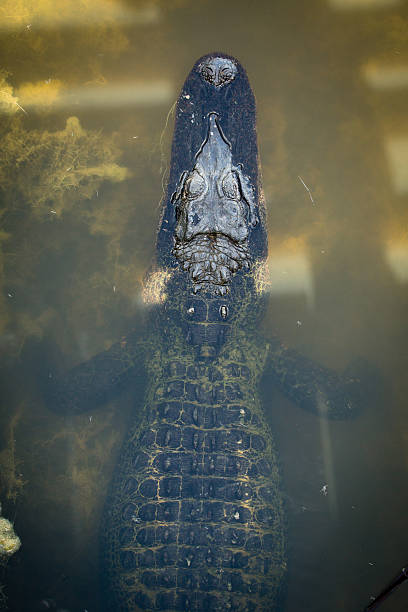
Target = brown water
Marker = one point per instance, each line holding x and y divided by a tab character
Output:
80	207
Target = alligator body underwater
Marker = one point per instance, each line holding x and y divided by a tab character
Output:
194	518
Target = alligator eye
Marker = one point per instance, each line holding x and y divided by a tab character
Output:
224	311
191	310
230	187
194	186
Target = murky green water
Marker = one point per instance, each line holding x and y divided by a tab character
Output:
86	93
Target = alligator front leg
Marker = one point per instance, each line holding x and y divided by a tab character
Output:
97	380
311	385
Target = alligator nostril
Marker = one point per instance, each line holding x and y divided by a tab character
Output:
218	70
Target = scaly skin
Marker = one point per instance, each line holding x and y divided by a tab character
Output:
194	518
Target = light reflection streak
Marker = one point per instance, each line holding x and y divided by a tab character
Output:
60	14
104	96
396	256
396	149
386	77
349	5
291	273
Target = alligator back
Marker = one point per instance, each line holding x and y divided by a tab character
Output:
195	513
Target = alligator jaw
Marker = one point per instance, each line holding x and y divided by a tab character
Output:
215	209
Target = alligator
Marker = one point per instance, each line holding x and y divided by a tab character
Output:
194	517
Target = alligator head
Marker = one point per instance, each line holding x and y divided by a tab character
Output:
215	208
212	233
212	228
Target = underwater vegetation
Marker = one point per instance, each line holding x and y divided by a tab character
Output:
9	541
9	544
11	481
47	176
44	175
51	172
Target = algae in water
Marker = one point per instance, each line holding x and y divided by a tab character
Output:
44	175
51	172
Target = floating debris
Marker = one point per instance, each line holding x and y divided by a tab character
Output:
307	189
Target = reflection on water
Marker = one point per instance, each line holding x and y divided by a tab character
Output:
386	77
39	96
86	92
397	154
60	14
397	258
290	271
350	5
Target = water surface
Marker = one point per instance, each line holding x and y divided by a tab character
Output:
87	93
